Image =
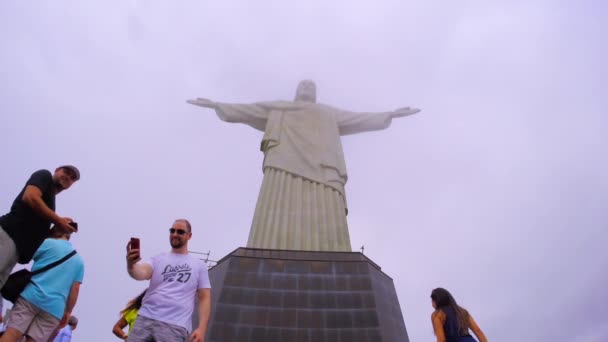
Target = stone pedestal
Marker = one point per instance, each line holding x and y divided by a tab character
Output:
279	295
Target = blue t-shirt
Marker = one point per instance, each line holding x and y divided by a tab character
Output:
49	290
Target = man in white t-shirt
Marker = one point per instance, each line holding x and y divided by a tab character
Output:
176	280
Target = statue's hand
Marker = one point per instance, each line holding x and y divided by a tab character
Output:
203	103
405	111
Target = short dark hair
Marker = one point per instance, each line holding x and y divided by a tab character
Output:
72	169
56	233
187	224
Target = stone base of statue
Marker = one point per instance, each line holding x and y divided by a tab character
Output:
271	295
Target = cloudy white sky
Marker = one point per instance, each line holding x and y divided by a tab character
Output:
497	190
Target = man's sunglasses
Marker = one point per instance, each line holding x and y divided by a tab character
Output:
177	231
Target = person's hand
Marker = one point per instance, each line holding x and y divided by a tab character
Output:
202	102
132	255
124	337
64	224
404	112
64	320
197	336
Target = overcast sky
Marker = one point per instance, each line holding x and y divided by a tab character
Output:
497	190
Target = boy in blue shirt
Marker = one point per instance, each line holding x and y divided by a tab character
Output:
48	300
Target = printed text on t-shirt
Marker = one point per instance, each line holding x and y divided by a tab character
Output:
180	273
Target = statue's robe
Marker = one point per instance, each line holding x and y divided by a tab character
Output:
302	204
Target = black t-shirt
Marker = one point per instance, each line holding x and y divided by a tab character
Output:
26	227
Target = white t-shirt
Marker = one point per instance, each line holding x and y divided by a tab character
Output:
173	288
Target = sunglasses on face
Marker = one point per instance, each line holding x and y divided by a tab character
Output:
177	231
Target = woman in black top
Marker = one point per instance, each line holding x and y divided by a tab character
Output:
452	322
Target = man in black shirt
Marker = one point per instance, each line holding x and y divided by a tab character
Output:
26	226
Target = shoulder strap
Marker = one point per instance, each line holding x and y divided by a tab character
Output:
53	264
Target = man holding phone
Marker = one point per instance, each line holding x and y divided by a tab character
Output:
176	279
27	224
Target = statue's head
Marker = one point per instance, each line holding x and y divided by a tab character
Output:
307	91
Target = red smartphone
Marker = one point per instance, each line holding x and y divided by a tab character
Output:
135	243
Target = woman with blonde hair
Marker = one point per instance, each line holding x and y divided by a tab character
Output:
452	322
128	315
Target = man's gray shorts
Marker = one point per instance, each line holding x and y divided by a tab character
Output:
151	330
8	256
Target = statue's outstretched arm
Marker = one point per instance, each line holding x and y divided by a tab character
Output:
253	115
353	122
405	111
202	102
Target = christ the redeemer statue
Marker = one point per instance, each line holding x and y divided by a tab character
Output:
302	204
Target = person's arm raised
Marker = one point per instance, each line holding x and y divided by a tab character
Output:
137	270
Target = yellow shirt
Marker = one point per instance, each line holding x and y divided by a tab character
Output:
130	317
